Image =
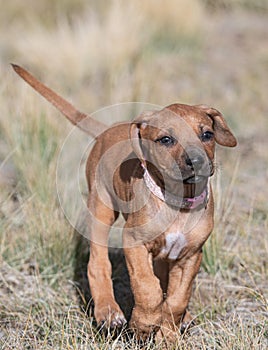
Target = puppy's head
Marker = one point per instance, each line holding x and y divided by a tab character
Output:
178	142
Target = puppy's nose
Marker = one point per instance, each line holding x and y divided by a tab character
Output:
195	161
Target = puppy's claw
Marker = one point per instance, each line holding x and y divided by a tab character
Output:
185	326
113	321
118	321
187	322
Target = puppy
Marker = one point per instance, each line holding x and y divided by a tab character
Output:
155	171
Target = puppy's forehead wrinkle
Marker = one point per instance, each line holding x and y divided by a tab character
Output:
179	119
169	124
183	109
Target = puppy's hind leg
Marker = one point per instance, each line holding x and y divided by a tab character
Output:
107	311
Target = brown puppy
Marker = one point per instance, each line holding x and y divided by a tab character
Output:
155	171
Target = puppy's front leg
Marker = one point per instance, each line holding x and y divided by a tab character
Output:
148	295
181	277
106	310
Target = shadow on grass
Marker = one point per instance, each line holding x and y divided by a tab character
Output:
120	277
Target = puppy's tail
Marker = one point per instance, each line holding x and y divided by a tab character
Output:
82	120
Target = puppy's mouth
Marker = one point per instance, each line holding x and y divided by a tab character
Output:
195	185
195	179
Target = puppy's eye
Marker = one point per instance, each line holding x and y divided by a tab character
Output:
166	141
207	136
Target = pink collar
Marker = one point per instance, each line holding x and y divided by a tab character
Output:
183	203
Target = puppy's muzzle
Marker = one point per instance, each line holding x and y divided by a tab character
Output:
197	167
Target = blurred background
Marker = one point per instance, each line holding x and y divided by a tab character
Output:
97	53
100	52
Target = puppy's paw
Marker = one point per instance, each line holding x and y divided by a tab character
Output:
167	335
171	332
145	324
118	320
109	318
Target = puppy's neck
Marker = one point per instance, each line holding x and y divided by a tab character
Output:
179	195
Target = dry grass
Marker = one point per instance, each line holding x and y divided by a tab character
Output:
97	54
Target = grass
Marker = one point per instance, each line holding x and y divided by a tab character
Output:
97	54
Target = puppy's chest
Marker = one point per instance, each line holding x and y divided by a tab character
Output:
171	245
174	244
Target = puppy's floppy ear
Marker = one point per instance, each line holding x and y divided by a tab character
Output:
223	134
136	128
